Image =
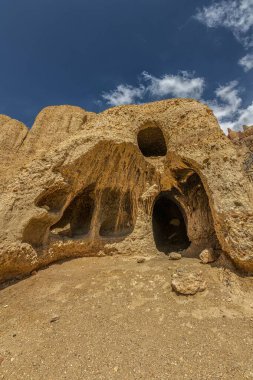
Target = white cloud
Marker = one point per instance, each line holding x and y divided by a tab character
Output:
227	107
235	15
123	94
246	62
227	101
245	117
183	85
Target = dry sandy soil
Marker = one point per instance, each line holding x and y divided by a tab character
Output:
113	318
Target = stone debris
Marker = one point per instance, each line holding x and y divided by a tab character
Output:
188	283
54	319
175	256
207	256
141	260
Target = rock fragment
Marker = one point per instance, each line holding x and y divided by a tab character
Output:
175	256
207	256
188	283
55	318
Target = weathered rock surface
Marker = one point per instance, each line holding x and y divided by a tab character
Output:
132	179
207	256
175	256
188	283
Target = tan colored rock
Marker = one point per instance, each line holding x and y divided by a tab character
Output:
207	256
12	135
243	140
132	179
54	125
188	283
175	256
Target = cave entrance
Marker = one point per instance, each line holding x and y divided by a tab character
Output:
169	227
151	142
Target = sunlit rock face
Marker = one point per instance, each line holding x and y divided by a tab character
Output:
139	179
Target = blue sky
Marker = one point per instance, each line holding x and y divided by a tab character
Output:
100	53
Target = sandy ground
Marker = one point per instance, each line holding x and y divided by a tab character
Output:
113	318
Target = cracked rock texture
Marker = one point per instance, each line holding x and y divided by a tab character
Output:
188	283
133	179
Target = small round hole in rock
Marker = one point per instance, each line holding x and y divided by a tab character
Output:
151	142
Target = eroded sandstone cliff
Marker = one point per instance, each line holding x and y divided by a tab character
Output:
133	179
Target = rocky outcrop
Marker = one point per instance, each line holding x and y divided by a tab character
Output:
53	126
130	180
12	136
243	140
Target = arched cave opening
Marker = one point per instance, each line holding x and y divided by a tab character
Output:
76	219
169	226
151	142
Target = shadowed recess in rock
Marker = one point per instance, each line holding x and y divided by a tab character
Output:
36	232
151	142
169	226
52	200
116	213
77	217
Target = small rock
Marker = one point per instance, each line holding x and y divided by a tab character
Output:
14	335
141	260
175	256
188	283
33	273
54	319
207	256
1	360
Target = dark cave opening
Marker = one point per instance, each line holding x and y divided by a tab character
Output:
169	228
151	142
76	219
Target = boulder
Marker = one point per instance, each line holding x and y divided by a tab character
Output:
188	283
207	256
175	256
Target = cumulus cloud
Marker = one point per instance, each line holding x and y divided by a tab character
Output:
227	101
183	85
124	94
245	117
246	62
226	105
236	15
